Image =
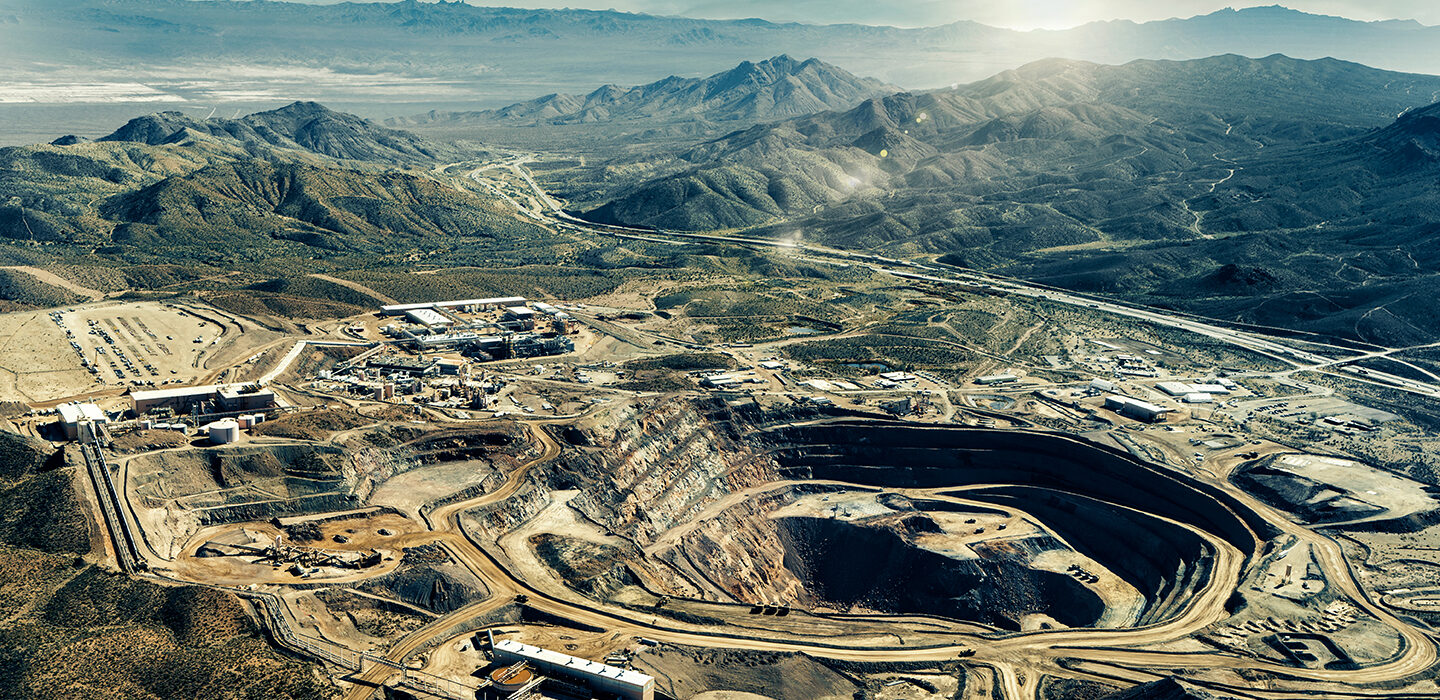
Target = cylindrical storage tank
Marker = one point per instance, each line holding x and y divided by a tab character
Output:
147	424
224	432
259	418
246	422
509	680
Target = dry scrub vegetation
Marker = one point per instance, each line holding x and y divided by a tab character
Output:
69	629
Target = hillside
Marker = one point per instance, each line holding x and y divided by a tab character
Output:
72	629
204	205
303	126
1039	128
238	209
1194	184
775	88
255	206
1334	237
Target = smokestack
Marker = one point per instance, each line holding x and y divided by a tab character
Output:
491	635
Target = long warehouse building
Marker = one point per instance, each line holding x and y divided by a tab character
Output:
226	397
631	685
401	309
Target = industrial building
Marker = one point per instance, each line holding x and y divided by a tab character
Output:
1135	408
1174	388
1203	387
898	376
995	379
427	317
1102	386
393	364
522	315
75	417
467	305
243	397
597	677
219	398
720	381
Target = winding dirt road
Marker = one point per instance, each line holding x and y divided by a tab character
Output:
1017	659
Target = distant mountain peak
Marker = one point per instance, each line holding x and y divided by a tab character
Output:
777	87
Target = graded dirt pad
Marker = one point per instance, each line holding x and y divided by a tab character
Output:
38	364
683	672
137	441
1327	490
412	489
729	695
312	425
362	535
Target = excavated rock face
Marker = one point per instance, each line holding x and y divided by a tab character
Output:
657	466
870	566
662	464
742	553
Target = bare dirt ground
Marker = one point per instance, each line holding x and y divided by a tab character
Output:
38	364
53	279
631	294
412	489
357	287
362	534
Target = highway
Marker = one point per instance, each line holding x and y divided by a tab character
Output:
1273	347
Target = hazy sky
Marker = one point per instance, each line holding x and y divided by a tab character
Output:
1019	14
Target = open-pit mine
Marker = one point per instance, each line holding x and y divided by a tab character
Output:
948	486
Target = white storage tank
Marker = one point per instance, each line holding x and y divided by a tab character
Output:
246	422
224	432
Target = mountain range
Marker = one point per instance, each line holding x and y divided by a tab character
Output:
1278	191
300	182
774	88
394	58
1020	135
1219	186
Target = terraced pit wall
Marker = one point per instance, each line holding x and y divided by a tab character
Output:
908	456
1094	498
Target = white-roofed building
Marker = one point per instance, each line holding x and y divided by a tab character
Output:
427	317
229	397
606	679
1175	388
400	309
1102	386
996	379
1135	408
73	415
1211	388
